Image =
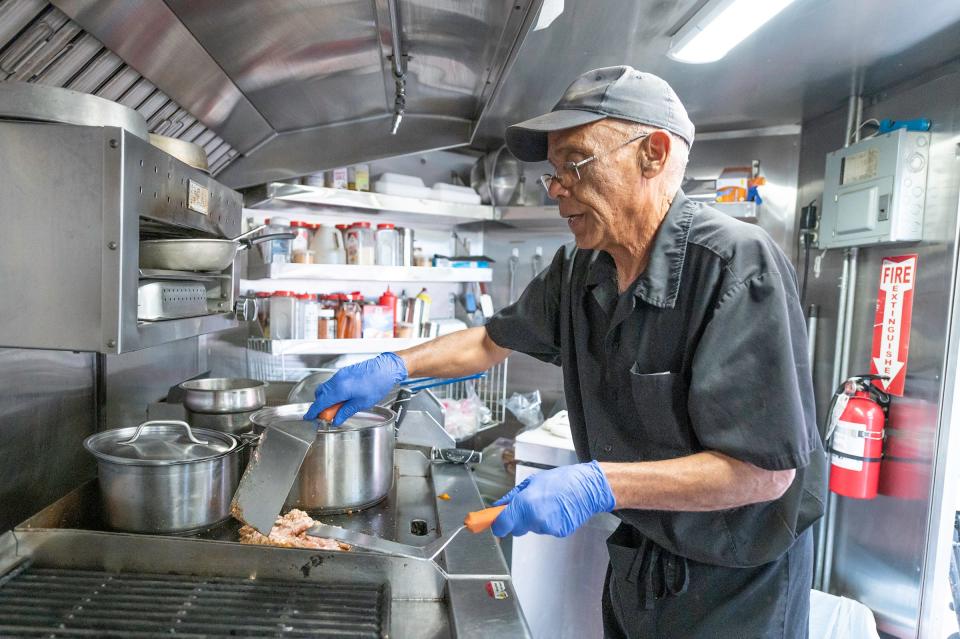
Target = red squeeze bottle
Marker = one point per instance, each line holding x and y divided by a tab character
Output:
389	299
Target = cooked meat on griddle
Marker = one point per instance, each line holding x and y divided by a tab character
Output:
290	531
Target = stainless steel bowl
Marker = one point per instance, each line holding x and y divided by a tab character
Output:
224	395
349	467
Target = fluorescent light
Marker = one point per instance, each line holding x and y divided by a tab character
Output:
720	26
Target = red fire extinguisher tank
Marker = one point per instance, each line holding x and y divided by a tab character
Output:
856	445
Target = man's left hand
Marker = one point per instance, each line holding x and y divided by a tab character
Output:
555	502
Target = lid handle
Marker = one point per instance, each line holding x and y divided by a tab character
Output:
157	422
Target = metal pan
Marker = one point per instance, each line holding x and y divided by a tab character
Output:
224	394
199	254
187	152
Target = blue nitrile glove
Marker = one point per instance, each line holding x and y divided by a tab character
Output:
555	502
360	386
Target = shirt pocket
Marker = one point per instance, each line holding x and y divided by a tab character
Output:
659	402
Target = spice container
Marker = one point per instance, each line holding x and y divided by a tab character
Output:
283	315
350	318
359	242
302	232
326	324
387	245
419	259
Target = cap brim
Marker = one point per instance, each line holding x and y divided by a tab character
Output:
528	140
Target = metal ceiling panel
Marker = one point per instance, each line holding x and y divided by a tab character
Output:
150	38
797	65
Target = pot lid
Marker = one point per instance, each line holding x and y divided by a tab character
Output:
159	443
376	416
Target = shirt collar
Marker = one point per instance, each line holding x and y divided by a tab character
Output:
660	281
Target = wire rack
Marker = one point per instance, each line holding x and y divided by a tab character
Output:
267	362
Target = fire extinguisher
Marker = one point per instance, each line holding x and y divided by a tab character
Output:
857	416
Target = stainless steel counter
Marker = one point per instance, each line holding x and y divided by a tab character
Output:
69	535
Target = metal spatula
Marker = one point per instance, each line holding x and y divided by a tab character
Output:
476	522
270	474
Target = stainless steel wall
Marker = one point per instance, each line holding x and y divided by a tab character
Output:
48	406
46	409
779	157
879	544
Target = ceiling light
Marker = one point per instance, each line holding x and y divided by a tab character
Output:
720	26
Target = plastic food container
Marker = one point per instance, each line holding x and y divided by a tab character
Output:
359	242
283	315
387	245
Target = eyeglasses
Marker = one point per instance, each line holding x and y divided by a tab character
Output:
570	173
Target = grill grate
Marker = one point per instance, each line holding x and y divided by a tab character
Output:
44	602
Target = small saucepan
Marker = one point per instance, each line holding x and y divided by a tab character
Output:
200	254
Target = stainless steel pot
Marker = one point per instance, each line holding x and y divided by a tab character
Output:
233	423
349	467
163	477
198	254
224	395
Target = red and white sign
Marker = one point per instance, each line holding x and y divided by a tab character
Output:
891	330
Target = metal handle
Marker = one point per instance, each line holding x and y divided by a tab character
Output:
252	231
456	455
157	422
269	237
416	386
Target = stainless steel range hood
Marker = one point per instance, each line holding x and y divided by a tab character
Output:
297	87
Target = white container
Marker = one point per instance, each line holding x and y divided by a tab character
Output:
387	245
359	243
403	190
327	245
283	315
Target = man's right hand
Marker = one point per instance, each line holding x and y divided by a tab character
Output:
359	386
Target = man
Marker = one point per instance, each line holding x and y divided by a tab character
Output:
684	358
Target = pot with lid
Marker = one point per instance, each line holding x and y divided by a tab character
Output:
164	477
348	467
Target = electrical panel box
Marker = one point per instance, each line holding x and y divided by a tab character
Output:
874	191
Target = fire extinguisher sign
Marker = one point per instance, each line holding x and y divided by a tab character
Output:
891	329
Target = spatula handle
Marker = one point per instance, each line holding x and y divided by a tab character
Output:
480	520
327	414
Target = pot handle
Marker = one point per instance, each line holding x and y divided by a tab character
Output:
456	455
157	422
250	241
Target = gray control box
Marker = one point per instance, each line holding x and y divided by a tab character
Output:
874	191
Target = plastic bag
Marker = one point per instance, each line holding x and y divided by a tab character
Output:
526	408
463	417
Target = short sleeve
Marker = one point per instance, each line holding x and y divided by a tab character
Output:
531	325
751	393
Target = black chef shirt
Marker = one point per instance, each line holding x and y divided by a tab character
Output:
706	350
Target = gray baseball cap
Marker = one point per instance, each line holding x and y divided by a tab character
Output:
611	92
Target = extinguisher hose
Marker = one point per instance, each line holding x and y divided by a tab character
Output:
830	426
